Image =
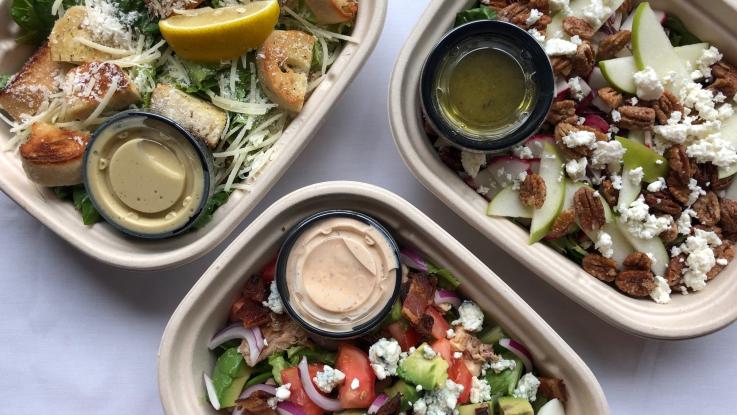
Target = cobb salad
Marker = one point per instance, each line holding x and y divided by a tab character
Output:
233	73
632	174
435	353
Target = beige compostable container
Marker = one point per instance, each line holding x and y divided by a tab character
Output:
183	353
686	316
110	246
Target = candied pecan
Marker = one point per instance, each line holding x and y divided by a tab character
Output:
609	192
662	202
728	215
637	260
725	79
679	164
584	59
575	26
562	111
724	251
677	189
588	209
605	269
664	106
542	5
722	184
562	65
707	209
611	97
705	174
637	283
515	13
562	224
671	234
553	388
532	191
564	129
674	273
636	118
612	44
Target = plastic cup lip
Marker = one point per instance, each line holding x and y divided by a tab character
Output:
205	160
544	79
281	266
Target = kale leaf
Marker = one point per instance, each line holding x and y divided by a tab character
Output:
479	13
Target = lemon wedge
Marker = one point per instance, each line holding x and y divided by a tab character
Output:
213	35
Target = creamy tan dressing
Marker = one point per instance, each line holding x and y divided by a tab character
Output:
147	177
340	273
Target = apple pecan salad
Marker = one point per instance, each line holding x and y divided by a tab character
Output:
631	176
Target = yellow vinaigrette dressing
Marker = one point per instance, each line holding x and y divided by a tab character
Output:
484	91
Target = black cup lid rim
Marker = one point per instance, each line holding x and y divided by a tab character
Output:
281	265
202	152
545	82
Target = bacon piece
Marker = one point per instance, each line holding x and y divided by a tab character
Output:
255	289
252	313
419	297
256	404
553	388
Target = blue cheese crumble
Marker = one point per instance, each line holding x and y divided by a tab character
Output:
480	390
328	378
274	303
470	316
527	387
384	356
441	401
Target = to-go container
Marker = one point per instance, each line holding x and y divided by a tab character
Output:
108	245
184	356
685	316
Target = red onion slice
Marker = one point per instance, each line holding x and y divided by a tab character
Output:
447	297
211	394
260	343
377	403
597	122
271	390
519	350
237	331
288	408
315	396
412	259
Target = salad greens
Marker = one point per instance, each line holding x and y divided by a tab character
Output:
35	18
4	79
679	35
213	203
81	200
479	13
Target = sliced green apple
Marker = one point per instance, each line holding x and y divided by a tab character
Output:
639	155
629	191
732	191
619	72
571	189
652	48
507	204
637	136
576	8
551	170
729	133
652	246
620	246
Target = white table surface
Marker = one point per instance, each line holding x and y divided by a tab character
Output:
80	337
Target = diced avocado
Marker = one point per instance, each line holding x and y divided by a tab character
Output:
408	392
504	382
428	373
476	408
491	335
229	376
514	406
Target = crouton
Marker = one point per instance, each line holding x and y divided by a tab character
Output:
165	8
284	62
32	85
63	43
52	156
85	87
333	11
202	119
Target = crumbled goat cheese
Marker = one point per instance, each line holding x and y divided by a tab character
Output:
470	316
678	133
713	149
560	47
355	383
657	185
419	388
539	37
576	40
522	152
580	138
274	303
282	394
576	169
636	175
639	222
604	244
696	191
428	353
616	181
534	16
384	357
700	259
648	85
457	355
441	401
616	116
576	89
725	111
527	387
634	101
328	378
708	57
684	221
480	390
661	293
517	183
722	261
499	366
608	154
719	97
693	95
472	162
450	333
